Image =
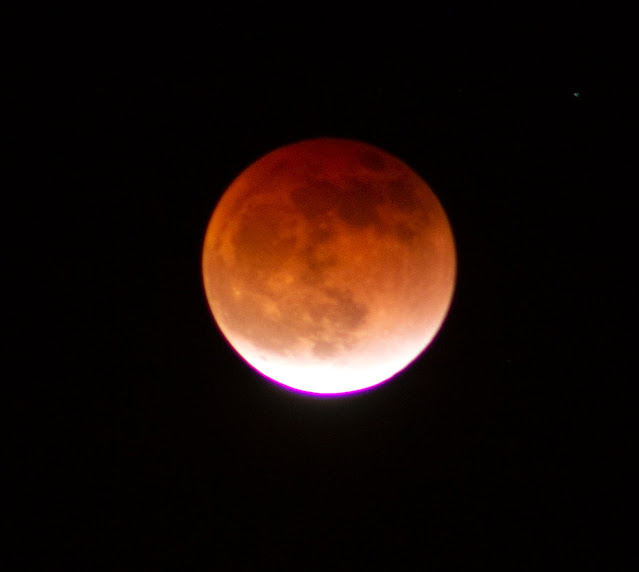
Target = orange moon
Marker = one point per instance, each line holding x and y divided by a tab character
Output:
329	265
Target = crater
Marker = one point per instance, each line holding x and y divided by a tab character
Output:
371	160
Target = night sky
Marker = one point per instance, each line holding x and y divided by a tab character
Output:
145	442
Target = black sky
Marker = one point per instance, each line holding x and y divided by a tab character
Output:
146	443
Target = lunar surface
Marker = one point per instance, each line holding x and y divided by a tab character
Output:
329	265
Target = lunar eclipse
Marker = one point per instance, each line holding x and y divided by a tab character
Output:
329	265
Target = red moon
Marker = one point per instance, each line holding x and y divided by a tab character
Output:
329	265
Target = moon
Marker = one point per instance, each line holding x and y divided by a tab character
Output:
329	265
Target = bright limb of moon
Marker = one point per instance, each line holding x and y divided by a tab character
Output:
329	265
314	375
